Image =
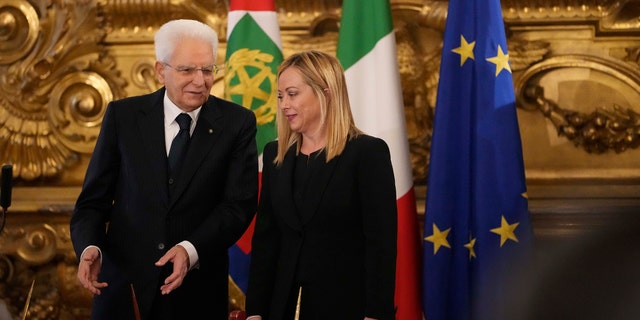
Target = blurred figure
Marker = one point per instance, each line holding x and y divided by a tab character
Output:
592	277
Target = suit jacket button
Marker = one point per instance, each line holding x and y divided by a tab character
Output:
171	180
161	246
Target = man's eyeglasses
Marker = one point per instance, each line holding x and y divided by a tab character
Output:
207	71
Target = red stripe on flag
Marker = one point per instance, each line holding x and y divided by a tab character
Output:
253	5
408	262
244	243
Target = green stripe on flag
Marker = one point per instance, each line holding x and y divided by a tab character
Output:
362	25
252	61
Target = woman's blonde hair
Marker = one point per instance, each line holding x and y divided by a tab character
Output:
324	74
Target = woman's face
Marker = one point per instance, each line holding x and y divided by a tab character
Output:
298	102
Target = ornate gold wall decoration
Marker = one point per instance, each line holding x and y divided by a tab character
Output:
56	82
34	250
577	80
604	129
419	43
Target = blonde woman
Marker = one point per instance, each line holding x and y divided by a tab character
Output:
325	237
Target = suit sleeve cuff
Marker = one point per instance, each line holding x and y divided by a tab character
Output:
191	251
92	246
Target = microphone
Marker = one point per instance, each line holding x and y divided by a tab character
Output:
5	191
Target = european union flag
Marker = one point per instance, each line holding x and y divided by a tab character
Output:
477	229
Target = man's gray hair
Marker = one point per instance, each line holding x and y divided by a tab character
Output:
170	34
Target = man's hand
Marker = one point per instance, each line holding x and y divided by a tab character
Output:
180	259
89	269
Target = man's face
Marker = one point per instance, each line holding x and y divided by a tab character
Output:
188	76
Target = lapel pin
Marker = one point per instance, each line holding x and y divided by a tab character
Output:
210	131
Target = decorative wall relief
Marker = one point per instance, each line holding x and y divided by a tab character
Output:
605	129
56	80
577	81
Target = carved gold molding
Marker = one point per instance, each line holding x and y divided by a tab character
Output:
55	84
606	128
31	249
608	15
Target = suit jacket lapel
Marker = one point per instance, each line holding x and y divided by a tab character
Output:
207	132
317	185
283	185
151	133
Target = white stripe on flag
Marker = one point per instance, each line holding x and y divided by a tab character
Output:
380	87
267	20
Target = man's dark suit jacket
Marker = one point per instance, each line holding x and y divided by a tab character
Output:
125	209
344	246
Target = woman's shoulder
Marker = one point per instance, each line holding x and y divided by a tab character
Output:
366	146
367	141
271	145
270	149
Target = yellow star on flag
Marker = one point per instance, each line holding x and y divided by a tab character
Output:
438	238
471	245
465	50
506	231
501	61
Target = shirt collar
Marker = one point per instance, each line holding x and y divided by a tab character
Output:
171	111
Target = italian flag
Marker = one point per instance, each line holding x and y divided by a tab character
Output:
254	52
367	51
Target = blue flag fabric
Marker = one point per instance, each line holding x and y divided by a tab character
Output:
477	231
